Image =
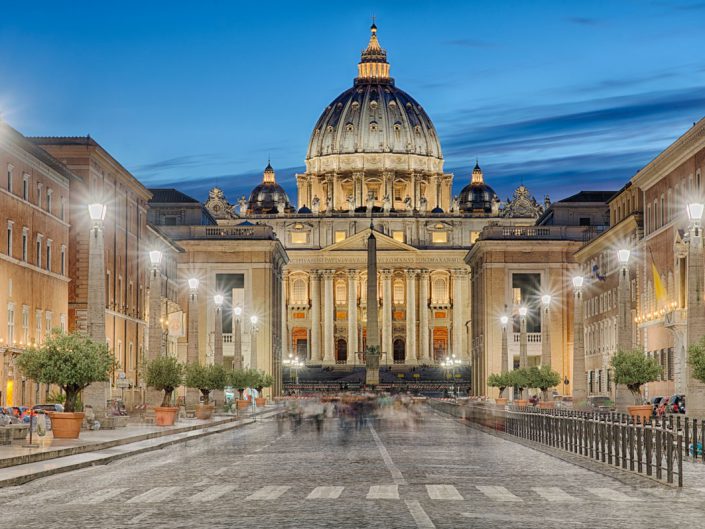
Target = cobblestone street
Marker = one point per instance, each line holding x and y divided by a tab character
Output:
440	473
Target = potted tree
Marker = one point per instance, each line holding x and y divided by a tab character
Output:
544	378
72	362
500	381
519	379
696	359
240	379
264	380
634	369
164	373
205	379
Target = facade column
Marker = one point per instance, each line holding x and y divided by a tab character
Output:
458	320
330	194
315	316
546	333
357	189
387	306
237	338
523	343
695	326
424	341
624	327
353	347
411	350
328	321
218	336
154	348
285	340
192	337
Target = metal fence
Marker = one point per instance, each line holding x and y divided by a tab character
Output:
654	449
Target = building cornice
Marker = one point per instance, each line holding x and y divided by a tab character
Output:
618	233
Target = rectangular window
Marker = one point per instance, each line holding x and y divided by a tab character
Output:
62	211
130	356
25	187
25	324
10	324
398	236
39	194
48	317
63	260
585	221
39	250
439	237
50	192
49	255
299	237
62	322
38	326
9	237
10	176
340	236
25	243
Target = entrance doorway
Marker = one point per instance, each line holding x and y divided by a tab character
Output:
399	351
440	343
341	351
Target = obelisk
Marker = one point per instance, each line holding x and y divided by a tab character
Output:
372	352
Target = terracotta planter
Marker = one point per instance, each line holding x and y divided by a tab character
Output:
204	411
66	425
522	403
243	404
643	411
546	405
260	401
501	401
165	416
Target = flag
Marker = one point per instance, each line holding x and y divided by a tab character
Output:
596	273
659	288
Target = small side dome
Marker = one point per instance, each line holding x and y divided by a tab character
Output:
268	197
477	196
303	210
437	210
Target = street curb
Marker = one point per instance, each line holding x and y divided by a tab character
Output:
624	476
227	426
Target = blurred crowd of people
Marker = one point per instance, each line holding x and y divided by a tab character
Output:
349	413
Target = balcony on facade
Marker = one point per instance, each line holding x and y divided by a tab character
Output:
552	233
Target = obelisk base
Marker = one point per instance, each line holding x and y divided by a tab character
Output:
372	368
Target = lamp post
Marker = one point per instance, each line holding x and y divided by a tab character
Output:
695	326
253	341
192	343
523	345
624	320
154	346
294	365
237	338
579	385
449	364
546	330
218	345
97	393
504	320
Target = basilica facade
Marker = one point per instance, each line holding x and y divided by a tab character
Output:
374	158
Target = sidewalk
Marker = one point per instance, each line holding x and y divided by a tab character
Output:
19	465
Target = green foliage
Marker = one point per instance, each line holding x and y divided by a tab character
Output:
543	378
265	380
70	361
634	369
499	380
205	378
56	397
519	378
164	373
696	359
243	378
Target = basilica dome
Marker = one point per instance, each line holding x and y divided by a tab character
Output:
269	197
477	196
374	117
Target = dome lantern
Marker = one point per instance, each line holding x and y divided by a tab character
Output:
373	63
477	176
268	197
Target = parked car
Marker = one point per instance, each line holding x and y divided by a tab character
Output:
600	404
676	404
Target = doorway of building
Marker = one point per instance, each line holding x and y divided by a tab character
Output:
399	351
440	343
341	350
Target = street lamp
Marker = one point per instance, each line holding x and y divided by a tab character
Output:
97	394
624	321
193	284
155	305
623	256
155	257
523	343
253	341
218	345
504	320
237	337
192	338
695	322
294	365
449	364
546	331
695	212
579	384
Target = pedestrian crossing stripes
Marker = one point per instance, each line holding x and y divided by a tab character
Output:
196	494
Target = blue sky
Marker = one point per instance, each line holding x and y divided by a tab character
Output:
560	95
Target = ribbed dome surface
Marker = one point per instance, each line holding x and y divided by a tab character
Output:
374	116
268	196
474	197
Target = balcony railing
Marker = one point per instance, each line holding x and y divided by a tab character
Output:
531	337
570	233
239	231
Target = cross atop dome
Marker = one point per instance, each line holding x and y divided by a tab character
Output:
373	64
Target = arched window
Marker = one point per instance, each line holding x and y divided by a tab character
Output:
439	291
298	292
398	292
341	292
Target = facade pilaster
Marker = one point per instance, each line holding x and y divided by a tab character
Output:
357	189
286	342
695	390
458	320
192	337
424	341
411	349
353	347
387	306
328	320
315	316
218	339
579	382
